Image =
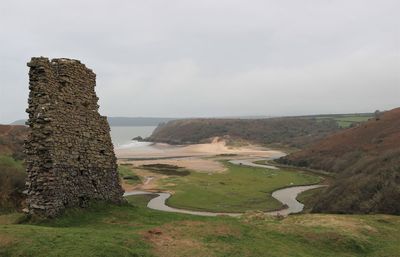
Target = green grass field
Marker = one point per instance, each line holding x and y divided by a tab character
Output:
346	120
134	230
239	189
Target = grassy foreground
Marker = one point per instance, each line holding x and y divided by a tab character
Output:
239	189
134	230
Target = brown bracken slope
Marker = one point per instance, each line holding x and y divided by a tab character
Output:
12	139
366	160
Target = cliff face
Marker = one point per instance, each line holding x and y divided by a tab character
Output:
70	157
366	160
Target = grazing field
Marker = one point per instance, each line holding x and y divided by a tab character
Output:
134	230
346	120
239	189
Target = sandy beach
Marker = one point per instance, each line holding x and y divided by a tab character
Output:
196	157
160	151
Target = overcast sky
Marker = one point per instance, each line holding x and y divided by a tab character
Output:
211	57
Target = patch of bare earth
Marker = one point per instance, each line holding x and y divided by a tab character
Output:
6	240
187	238
12	218
341	224
127	187
149	180
313	226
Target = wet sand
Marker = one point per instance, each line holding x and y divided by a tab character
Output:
197	157
165	151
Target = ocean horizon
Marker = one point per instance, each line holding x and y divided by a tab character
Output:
122	136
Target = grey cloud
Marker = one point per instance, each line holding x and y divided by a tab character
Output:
211	58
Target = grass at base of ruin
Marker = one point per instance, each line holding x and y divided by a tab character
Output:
240	189
134	230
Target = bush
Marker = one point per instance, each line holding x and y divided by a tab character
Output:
166	169
12	183
132	177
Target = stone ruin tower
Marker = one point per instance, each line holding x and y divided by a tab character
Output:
70	157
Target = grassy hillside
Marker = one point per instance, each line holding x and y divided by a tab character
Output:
367	161
134	230
12	139
295	132
12	170
12	183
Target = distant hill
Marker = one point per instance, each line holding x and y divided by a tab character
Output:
124	121
18	122
12	139
343	120
366	159
139	121
292	131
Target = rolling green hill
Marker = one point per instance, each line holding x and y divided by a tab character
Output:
294	132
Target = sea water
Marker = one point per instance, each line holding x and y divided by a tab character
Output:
122	136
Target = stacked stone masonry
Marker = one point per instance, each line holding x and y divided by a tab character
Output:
70	156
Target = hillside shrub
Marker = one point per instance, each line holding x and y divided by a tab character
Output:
12	183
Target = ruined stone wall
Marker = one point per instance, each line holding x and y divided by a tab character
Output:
70	157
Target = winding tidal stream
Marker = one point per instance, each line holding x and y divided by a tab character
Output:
286	196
